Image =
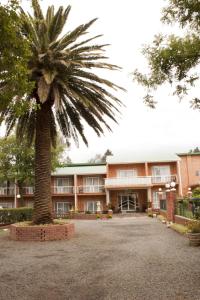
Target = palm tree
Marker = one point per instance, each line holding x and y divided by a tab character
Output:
65	93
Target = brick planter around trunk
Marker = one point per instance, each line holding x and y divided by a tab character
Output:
42	233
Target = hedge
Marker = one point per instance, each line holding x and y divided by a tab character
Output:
13	215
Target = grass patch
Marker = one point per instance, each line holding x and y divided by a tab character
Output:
179	228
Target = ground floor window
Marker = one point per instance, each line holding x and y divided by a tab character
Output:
6	205
62	207
91	206
30	204
159	200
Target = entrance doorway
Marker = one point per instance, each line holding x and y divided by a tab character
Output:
128	202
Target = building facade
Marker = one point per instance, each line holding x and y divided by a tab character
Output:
125	184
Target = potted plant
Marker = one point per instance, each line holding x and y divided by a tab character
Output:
194	233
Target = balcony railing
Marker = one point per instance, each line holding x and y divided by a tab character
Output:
62	189
128	181
91	189
162	179
28	190
139	180
7	191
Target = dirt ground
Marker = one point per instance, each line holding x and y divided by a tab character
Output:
122	258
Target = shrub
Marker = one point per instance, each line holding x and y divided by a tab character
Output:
194	227
13	215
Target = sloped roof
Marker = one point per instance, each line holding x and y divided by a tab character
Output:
80	170
141	158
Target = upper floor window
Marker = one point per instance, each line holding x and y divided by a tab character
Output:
64	181
126	173
161	170
198	173
94	181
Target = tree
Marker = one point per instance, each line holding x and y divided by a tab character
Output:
65	92
195	150
174	59
14	56
107	153
17	162
99	158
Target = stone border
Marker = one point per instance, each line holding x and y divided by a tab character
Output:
42	233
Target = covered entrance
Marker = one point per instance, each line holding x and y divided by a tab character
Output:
128	202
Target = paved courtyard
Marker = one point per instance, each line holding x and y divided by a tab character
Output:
125	258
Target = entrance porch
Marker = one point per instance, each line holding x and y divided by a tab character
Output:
128	200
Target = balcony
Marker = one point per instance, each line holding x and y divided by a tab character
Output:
62	189
91	189
128	181
28	190
163	179
139	181
7	191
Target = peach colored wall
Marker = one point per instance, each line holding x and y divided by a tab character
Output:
112	169
188	166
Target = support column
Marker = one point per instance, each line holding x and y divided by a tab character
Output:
171	198
149	197
75	193
107	197
179	179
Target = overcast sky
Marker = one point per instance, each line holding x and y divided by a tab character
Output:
127	25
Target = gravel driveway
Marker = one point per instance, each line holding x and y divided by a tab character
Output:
125	258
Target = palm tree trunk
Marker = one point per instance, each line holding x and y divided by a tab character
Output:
43	202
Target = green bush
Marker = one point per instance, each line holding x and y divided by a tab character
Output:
194	227
14	215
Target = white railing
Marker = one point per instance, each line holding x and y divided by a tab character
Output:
140	180
163	179
28	190
7	191
62	189
91	189
128	181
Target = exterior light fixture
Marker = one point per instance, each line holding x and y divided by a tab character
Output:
167	185
160	191
172	185
189	191
18	196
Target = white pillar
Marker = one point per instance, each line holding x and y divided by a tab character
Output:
179	179
149	199
75	193
107	197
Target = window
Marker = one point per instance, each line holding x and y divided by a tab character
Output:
62	207
91	206
64	181
161	174
157	198
198	173
63	185
92	184
126	173
6	205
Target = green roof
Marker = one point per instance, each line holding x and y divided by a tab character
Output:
84	164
